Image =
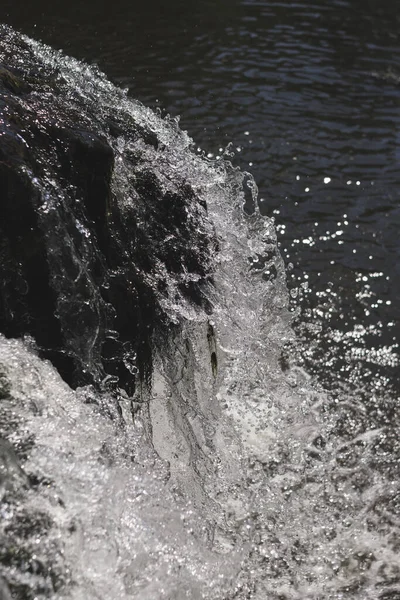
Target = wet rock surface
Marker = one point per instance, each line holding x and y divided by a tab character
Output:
84	262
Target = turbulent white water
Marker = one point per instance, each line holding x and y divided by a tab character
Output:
237	478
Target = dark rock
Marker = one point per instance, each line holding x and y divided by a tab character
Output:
91	233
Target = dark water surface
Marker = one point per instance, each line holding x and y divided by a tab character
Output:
308	93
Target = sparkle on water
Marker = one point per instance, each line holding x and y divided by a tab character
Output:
258	483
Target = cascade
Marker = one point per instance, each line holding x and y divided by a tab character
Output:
157	440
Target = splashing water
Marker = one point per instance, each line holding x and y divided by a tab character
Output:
237	476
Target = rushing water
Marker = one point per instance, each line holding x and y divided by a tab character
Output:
308	95
258	482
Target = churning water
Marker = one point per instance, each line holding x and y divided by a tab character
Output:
235	476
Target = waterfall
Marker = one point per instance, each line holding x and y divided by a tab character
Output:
157	438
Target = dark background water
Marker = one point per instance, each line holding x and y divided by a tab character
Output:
308	93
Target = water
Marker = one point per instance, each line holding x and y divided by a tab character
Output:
307	95
262	485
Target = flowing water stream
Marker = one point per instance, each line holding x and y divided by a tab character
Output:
229	472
